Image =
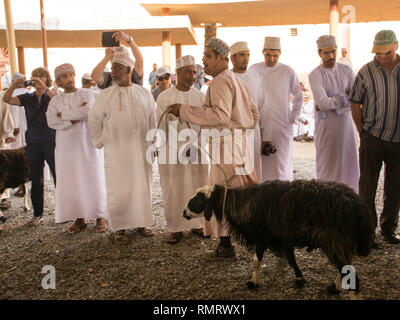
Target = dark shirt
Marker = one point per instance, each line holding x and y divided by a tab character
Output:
38	131
108	80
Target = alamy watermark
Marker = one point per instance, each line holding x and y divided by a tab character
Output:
49	280
349	280
350	14
206	146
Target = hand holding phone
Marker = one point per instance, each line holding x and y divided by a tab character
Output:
29	83
107	39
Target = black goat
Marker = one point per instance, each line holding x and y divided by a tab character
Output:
14	171
281	215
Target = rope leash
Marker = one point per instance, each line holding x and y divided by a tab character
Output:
227	182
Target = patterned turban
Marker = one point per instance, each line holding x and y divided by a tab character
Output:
185	61
239	47
121	56
326	42
62	69
272	43
218	45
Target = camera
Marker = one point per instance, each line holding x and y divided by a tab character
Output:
29	83
268	149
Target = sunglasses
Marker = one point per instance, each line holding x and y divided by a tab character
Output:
163	78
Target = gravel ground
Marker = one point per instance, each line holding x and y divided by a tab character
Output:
91	266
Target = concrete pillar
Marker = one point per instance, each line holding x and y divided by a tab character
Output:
44	35
210	32
12	52
178	50
166	42
334	19
166	49
346	37
21	60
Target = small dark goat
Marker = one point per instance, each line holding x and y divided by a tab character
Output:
14	171
281	215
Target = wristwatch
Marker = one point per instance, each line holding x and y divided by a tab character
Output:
130	40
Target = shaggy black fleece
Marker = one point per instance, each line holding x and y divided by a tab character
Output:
304	213
14	168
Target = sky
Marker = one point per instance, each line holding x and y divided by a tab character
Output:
299	52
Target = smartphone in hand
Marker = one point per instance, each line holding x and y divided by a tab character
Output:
107	39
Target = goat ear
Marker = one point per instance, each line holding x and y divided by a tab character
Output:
208	212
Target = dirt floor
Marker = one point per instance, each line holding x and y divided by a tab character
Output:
91	266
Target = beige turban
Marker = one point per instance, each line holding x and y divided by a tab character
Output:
239	47
121	56
324	42
185	61
218	45
62	69
121	49
272	43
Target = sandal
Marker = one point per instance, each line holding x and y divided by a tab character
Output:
101	225
121	238
5	204
174	237
147	232
36	220
78	226
198	232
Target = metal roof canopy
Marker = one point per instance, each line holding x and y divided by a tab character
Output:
274	12
145	34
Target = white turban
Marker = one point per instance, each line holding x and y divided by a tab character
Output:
185	61
121	56
87	76
326	42
272	43
17	75
63	69
239	47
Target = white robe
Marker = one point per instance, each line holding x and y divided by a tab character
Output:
179	182
308	112
254	87
335	133
81	189
119	120
204	88
346	61
277	116
19	119
6	123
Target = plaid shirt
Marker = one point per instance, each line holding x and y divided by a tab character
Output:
378	90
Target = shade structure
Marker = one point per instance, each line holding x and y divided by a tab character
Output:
273	12
146	32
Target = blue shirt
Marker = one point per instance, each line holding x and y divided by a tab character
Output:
152	77
38	131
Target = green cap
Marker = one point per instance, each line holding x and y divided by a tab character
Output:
384	41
